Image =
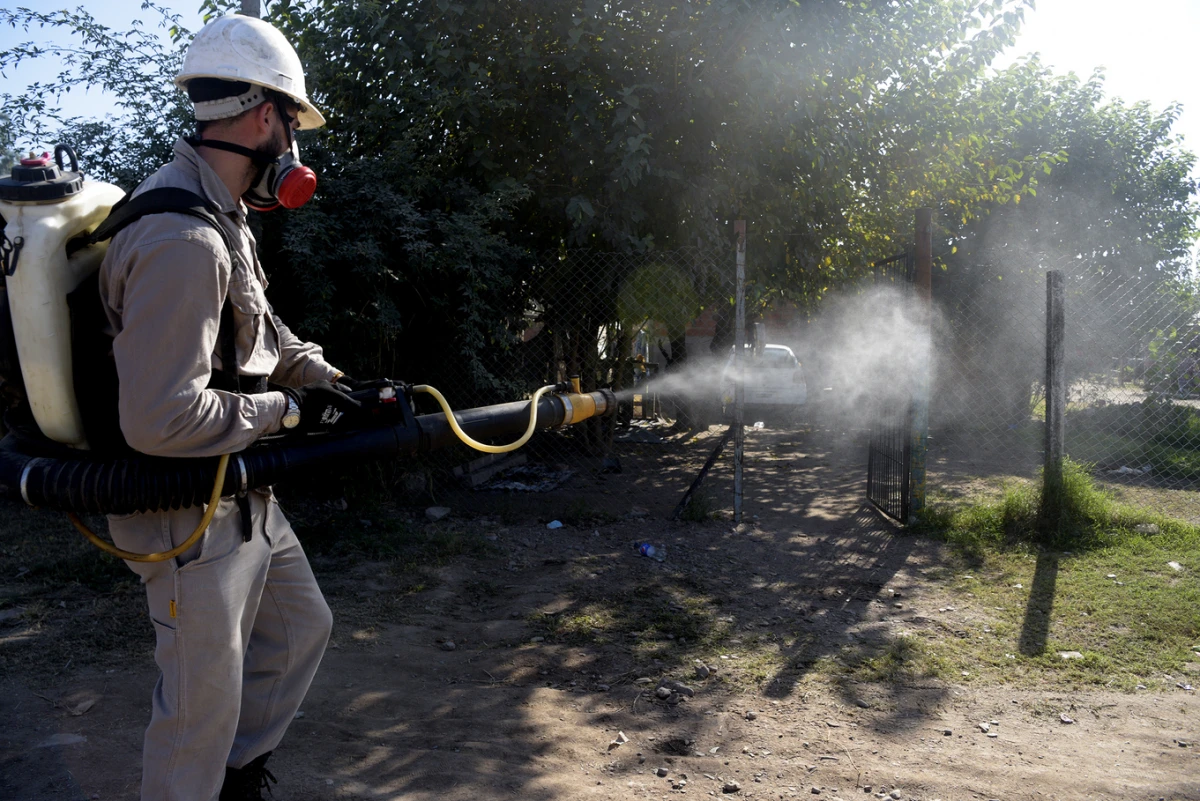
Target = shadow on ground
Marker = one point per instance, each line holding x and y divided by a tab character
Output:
552	631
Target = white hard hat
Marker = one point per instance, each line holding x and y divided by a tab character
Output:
238	48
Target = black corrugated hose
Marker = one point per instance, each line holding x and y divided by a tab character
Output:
50	476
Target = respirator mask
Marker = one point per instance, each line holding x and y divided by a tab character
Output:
280	180
285	181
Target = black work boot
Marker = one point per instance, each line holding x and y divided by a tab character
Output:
247	784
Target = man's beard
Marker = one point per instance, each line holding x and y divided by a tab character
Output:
267	153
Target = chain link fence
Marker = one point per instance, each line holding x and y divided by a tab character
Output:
658	329
1133	398
1133	372
654	327
986	404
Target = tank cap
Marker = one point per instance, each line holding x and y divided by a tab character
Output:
36	178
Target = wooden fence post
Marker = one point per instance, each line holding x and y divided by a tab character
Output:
739	385
1056	398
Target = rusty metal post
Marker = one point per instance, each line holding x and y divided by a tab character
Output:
923	301
739	385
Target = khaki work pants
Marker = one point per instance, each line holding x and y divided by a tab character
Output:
241	627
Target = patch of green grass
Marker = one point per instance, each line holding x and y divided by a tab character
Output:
906	658
1081	516
1167	459
1135	628
79	605
45	550
1040	592
594	624
478	590
508	513
754	664
665	624
655	619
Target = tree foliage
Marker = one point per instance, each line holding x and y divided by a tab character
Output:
1116	215
638	124
474	149
1119	204
133	66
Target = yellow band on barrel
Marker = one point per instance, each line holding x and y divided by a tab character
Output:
582	407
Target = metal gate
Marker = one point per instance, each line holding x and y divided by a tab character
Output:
889	453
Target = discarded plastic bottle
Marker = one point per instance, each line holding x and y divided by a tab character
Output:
656	552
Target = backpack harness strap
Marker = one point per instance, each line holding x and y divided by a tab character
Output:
183	201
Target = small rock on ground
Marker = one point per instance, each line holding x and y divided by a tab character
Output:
675	686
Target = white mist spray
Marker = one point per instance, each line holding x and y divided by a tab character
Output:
861	350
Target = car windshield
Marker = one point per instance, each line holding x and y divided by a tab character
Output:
772	357
777	357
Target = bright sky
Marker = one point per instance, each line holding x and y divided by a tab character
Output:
1148	49
115	14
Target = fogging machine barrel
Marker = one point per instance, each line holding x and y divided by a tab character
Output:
75	483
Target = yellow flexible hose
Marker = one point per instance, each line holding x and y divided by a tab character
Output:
213	501
479	446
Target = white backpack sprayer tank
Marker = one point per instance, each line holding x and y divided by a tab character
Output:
45	206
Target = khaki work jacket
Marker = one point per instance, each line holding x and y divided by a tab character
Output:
163	282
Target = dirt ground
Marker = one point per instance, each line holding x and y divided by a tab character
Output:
561	638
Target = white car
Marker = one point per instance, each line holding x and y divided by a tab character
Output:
774	383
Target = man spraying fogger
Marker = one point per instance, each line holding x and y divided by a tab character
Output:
240	622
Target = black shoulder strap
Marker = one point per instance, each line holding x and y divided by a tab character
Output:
182	201
132	208
165	199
